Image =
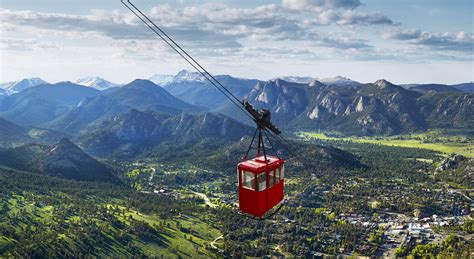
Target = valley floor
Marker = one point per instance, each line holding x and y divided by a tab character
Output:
432	140
393	204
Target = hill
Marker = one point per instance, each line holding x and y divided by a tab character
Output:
15	135
63	160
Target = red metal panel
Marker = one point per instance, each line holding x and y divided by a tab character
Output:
275	194
255	202
247	201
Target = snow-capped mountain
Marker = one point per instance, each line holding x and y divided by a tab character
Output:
295	79
96	82
338	81
188	76
161	80
18	86
182	76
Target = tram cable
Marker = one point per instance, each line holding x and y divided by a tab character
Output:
263	125
185	55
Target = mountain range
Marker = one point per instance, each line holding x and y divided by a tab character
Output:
374	108
69	107
40	124
338	103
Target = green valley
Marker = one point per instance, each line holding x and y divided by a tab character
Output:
443	141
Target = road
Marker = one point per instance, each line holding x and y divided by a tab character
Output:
213	243
206	199
150	179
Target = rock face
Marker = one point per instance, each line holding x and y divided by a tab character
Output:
450	163
377	108
285	100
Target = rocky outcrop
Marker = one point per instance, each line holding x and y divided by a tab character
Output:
376	108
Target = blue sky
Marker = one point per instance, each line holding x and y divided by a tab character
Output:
403	41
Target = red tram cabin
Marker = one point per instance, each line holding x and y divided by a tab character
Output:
261	184
261	179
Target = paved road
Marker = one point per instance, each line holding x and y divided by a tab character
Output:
206	199
150	179
213	243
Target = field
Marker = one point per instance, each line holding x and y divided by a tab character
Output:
443	142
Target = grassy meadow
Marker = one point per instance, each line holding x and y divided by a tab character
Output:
445	142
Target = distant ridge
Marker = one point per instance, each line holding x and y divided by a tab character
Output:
18	86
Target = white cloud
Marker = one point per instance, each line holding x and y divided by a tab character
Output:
444	41
318	5
349	17
11	44
212	27
294	32
356	18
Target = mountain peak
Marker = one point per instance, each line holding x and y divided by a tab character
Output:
65	145
32	80
338	81
141	83
295	79
186	75
96	82
382	83
18	86
161	80
316	83
336	78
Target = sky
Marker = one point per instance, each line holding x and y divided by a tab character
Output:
403	41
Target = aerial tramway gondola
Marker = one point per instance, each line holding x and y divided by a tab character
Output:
260	178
